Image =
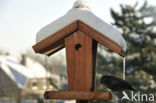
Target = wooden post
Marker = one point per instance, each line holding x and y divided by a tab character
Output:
81	62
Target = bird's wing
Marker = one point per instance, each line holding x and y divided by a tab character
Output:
116	81
127	86
121	83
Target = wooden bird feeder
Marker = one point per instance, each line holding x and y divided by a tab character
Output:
80	42
80	39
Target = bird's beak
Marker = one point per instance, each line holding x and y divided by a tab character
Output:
101	85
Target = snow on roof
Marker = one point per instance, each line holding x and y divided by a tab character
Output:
81	11
81	4
20	74
36	68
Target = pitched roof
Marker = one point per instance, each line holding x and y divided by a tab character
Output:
20	74
88	18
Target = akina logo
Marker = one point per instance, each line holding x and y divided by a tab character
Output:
138	97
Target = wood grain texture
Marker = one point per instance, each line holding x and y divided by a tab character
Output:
79	62
78	95
99	37
53	39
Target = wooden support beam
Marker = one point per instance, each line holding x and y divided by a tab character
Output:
94	58
80	52
79	61
78	95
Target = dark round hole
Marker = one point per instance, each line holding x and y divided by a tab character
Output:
78	47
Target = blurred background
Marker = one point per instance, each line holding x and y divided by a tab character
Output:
24	75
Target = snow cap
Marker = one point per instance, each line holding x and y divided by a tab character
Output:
81	4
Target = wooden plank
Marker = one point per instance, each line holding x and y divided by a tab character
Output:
94	58
53	48
79	62
78	95
54	38
122	53
99	37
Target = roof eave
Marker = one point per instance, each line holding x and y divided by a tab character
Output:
55	42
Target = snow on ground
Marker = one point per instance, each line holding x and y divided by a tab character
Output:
81	11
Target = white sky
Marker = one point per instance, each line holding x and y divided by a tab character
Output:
20	20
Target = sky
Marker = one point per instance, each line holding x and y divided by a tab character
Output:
20	20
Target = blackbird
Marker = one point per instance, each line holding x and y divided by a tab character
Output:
116	84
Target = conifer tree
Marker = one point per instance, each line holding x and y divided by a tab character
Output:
140	36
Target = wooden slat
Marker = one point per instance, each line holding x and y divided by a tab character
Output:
94	58
122	53
79	62
54	38
78	95
53	48
99	37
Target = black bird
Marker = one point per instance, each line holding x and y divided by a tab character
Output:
116	84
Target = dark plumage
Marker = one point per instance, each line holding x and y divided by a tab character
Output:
116	84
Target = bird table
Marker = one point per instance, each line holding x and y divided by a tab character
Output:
80	41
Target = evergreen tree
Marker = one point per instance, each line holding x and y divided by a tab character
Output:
140	36
149	11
